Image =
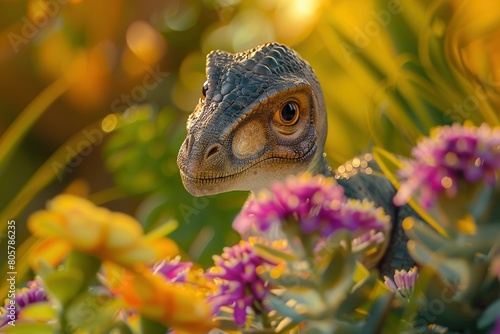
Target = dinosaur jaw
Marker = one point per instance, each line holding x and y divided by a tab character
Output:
254	177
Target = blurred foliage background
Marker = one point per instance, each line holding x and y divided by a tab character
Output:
94	94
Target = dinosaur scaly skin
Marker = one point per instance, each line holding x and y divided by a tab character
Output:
261	118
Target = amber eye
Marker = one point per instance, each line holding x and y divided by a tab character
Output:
288	114
204	89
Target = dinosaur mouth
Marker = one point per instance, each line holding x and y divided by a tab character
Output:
207	184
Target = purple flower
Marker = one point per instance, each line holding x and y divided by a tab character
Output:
449	155
313	201
496	329
317	203
237	282
173	270
403	282
33	293
367	239
363	215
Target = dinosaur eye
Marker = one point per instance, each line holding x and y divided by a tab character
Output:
288	114
204	89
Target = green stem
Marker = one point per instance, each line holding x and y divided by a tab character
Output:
107	195
259	309
19	128
88	264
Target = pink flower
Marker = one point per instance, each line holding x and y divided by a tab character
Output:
237	282
316	203
402	282
449	155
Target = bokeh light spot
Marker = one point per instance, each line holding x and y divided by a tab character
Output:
145	42
180	15
109	123
446	182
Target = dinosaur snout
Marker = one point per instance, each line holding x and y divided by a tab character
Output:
199	162
196	154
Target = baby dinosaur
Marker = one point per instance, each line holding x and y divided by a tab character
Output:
262	117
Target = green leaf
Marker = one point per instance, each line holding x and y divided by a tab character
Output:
87	264
312	300
332	242
341	264
273	254
424	234
285	326
65	285
93	309
361	294
41	312
464	245
378	314
469	245
290	280
283	307
490	315
455	313
299	304
481	202
28	329
453	269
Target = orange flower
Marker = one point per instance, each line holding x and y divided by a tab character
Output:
177	305
72	222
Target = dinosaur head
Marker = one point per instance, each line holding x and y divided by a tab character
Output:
261	117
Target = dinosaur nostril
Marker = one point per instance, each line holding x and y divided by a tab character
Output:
212	150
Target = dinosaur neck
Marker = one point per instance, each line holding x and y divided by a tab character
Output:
320	165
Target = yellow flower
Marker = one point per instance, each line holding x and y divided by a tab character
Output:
177	305
72	222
